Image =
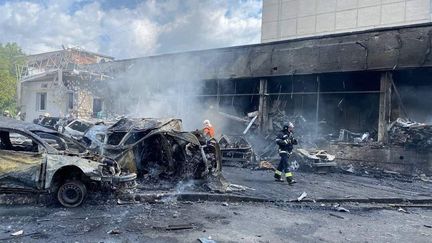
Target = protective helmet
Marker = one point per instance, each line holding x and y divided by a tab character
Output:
288	125
206	123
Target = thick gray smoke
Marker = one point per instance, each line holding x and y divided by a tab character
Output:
162	87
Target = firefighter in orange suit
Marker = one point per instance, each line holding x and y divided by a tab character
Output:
208	129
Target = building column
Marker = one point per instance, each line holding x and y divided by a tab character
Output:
263	108
317	106
384	105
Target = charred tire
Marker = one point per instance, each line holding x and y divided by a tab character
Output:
217	163
71	194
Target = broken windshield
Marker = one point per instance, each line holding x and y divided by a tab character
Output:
60	143
79	126
115	138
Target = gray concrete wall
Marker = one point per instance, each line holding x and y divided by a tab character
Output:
386	49
290	19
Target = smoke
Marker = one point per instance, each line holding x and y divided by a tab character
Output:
418	108
180	188
165	87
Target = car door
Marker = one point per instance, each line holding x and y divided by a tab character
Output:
21	160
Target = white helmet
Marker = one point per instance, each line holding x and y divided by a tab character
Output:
288	125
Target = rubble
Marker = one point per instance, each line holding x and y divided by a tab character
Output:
114	232
342	209
317	158
205	240
402	210
159	149
337	216
349	169
302	196
410	134
265	165
348	136
19	232
179	227
424	178
236	150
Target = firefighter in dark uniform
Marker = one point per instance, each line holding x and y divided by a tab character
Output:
286	142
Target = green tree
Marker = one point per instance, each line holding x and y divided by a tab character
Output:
10	55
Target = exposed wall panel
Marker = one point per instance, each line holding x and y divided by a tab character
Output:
387	49
350	15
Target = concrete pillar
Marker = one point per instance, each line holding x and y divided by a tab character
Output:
263	108
18	93
317	106
384	105
218	92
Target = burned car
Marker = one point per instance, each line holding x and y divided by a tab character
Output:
236	150
37	159
50	122
76	128
158	148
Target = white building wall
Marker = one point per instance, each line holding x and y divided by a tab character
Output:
289	19
55	104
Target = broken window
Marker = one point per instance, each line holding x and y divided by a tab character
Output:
41	100
17	142
97	106
50	122
135	137
60	143
115	138
79	126
70	100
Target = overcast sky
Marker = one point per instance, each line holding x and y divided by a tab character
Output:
129	28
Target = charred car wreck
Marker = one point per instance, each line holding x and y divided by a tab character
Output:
236	150
159	149
37	159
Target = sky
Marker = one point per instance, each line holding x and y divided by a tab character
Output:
129	28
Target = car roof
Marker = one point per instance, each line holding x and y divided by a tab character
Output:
22	125
144	124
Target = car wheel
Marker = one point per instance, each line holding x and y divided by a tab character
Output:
217	162
71	194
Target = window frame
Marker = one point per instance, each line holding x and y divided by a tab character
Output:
41	146
39	96
70	101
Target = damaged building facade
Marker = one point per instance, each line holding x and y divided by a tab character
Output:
361	96
358	83
58	83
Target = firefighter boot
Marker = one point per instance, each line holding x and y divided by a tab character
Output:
278	175
290	179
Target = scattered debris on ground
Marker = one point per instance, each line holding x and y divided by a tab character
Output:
302	196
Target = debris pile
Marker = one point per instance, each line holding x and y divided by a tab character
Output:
410	134
236	150
353	137
317	159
